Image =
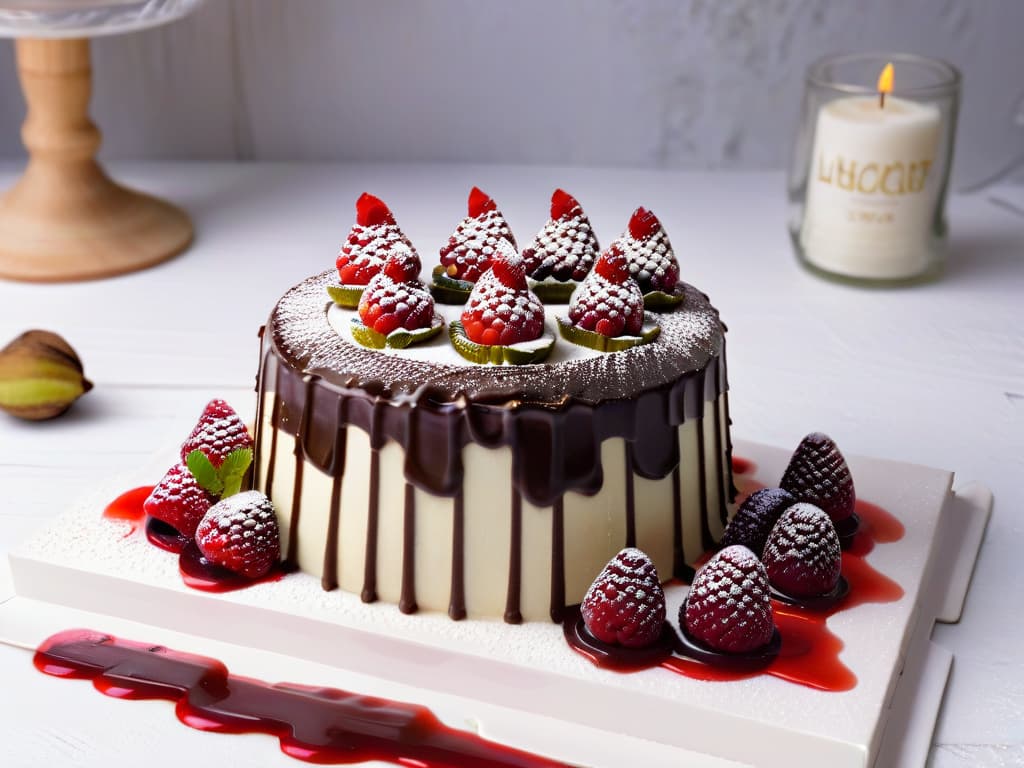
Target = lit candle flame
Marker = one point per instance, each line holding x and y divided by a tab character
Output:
885	80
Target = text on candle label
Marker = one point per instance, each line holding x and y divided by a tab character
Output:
896	178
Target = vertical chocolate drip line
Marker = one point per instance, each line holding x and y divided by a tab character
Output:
733	491
257	427
407	601
557	560
369	593
719	457
275	414
705	528
515	554
630	501
457	600
309	383
329	579
678	557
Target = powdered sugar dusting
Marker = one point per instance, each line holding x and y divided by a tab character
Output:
652	263
626	604
565	249
690	337
468	252
803	551
367	247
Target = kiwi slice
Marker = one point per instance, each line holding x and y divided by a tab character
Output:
524	353
448	290
400	338
552	292
592	340
347	296
659	301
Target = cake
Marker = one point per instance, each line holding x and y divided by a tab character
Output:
415	477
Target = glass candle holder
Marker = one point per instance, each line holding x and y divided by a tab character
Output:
867	187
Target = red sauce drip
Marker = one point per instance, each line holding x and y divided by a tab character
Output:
742	466
318	725
810	651
199	573
128	507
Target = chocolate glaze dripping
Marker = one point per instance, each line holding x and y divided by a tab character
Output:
707	541
732	490
630	502
457	601
678	558
557	561
309	384
369	593
407	601
258	426
329	579
275	415
515	561
723	491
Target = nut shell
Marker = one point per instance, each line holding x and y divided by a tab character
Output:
41	376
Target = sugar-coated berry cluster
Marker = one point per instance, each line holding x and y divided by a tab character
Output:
566	248
501	308
395	298
374	235
468	253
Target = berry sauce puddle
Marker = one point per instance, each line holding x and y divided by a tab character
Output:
313	724
196	571
809	651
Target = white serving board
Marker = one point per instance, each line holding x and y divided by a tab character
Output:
83	561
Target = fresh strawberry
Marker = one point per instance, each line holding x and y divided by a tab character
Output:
756	517
240	533
802	556
728	607
818	474
468	252
501	309
178	500
626	605
368	243
395	298
652	262
218	432
608	301
566	248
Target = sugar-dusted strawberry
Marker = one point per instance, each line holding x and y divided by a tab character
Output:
728	607
608	301
626	605
178	500
818	474
468	252
566	248
368	243
395	298
502	309
218	432
802	556
240	533
756	517
652	263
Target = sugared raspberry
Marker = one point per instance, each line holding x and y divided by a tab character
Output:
648	251
395	298
468	252
729	607
372	238
756	517
818	474
178	500
240	533
501	309
608	301
566	248
626	605
218	432
802	556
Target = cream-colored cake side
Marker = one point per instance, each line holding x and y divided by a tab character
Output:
375	549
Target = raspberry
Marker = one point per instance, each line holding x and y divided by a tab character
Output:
566	248
218	432
608	301
626	605
178	500
818	474
372	237
468	252
395	298
652	263
501	309
728	607
240	533
756	517
802	556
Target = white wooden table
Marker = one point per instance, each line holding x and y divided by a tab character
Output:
933	375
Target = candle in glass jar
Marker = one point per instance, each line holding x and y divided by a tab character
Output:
870	196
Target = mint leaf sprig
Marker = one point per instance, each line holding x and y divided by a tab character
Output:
223	481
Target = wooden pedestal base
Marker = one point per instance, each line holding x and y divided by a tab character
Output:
65	219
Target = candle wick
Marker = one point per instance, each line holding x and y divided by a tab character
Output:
881	99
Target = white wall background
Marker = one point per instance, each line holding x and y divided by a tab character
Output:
659	83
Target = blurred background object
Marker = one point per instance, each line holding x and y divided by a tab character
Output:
646	83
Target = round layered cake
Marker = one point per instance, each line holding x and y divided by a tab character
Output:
415	477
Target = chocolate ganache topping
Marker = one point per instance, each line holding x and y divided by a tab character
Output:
554	416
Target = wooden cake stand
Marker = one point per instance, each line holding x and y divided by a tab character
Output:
65	219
